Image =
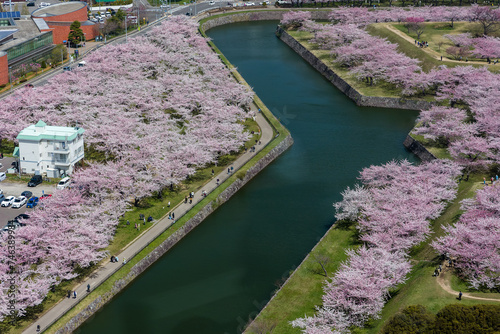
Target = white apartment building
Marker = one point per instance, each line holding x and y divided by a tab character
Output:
49	150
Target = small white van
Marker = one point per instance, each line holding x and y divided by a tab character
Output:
64	183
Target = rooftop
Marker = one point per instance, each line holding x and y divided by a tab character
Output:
59	9
27	30
43	131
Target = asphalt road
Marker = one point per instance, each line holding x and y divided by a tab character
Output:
15	189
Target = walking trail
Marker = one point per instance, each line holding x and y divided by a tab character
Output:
434	54
107	268
444	281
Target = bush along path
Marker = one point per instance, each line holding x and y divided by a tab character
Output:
109	268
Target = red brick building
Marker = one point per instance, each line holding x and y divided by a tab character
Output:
60	16
4	68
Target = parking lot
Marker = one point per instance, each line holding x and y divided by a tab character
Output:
10	188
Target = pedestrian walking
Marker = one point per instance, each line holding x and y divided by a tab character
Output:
228	171
124	260
440	269
74	294
128	222
173	215
217	181
232	168
213	172
37	328
484	180
441	58
460	295
190	201
88	287
168	205
492	180
69	293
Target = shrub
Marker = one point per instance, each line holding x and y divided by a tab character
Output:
451	319
458	319
413	319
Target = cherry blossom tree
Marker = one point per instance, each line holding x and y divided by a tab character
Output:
154	111
474	240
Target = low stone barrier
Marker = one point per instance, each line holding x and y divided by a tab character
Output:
416	147
259	15
343	86
159	251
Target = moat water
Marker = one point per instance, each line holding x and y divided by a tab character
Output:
226	269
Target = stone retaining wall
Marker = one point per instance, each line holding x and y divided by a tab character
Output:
416	147
159	251
260	15
343	86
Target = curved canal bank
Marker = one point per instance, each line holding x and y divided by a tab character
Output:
225	269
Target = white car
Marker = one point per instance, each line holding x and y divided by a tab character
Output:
19	202
8	201
2	176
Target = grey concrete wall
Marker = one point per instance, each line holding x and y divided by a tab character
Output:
260	15
418	149
159	251
343	86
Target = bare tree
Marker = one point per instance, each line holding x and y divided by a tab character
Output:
323	260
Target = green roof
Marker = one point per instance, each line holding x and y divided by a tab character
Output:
40	124
43	131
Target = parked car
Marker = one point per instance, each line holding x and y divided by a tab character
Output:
64	183
33	201
27	194
2	197
19	202
165	6
1	191
67	68
3	176
45	196
30	3
35	180
8	201
211	3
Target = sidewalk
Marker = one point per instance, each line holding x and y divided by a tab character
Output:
108	268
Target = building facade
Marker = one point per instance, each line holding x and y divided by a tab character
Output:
59	18
50	150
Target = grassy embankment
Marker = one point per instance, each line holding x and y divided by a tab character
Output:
157	207
302	292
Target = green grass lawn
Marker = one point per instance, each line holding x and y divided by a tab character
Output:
421	287
303	291
433	33
380	89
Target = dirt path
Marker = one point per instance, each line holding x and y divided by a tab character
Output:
444	281
432	53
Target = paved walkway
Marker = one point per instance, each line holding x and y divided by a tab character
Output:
429	51
108	268
444	281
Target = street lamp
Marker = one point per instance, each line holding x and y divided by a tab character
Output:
10	77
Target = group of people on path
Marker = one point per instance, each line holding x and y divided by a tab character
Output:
423	44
